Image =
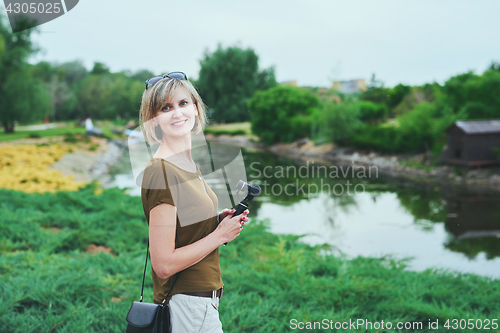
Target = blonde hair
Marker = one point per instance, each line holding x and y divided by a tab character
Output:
154	99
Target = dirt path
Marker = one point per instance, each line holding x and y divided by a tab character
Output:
88	165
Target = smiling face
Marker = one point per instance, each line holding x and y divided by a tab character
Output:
178	115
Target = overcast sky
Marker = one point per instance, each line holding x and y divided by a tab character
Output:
313	42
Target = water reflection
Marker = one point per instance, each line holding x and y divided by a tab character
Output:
435	226
474	221
438	228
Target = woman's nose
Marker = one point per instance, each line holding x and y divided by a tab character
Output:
176	112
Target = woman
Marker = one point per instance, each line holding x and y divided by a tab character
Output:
181	209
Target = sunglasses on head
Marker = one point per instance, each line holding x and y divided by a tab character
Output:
173	75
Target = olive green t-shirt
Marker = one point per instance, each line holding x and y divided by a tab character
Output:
164	182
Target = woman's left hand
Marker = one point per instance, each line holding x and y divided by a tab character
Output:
226	212
244	219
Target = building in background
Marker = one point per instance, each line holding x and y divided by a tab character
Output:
473	143
349	87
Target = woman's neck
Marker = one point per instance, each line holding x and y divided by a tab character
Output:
176	149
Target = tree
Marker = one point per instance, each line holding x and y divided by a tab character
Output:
282	113
371	112
266	79
94	94
99	69
228	78
74	71
337	122
396	95
43	71
376	92
476	95
106	96
142	75
494	66
22	98
55	80
62	99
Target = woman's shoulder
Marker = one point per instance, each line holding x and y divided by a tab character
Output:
157	169
158	163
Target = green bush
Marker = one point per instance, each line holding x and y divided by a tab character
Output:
418	130
477	95
336	122
371	112
282	113
376	137
224	132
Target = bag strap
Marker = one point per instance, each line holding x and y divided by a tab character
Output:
147	250
144	277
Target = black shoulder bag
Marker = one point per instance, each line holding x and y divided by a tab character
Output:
149	317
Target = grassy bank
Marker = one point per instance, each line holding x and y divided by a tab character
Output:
35	134
66	129
51	281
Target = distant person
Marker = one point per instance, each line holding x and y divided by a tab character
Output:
89	126
91	130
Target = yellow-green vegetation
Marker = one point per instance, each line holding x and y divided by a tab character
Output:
229	129
26	168
390	122
51	283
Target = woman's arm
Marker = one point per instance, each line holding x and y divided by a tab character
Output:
166	259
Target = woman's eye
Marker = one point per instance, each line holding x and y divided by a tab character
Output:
165	108
183	103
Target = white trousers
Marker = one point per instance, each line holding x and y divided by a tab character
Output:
194	314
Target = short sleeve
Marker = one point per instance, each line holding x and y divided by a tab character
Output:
155	186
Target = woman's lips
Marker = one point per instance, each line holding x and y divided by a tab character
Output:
179	124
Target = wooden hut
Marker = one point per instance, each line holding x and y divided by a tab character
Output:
471	142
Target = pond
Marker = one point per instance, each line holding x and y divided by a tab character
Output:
360	213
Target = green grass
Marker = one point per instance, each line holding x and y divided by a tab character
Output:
41	134
108	126
70	128
50	284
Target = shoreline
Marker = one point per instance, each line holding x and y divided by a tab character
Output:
388	165
87	165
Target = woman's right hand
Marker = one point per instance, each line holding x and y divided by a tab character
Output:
231	226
